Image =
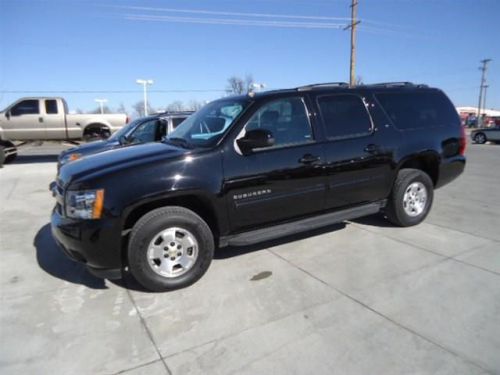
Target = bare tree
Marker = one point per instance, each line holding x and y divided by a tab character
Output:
194	105
237	85
121	109
139	108
175	106
359	81
105	109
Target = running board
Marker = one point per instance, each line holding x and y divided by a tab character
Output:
302	225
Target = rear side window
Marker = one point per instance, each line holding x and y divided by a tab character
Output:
345	116
415	110
51	107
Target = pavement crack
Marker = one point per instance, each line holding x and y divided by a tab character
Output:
386	317
148	331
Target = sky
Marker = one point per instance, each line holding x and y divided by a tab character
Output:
83	50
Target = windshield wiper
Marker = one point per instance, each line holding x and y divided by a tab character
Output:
180	141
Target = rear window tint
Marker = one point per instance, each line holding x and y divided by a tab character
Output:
418	109
345	116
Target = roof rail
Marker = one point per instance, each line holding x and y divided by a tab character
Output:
397	84
319	85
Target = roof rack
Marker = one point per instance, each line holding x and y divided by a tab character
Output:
319	85
396	84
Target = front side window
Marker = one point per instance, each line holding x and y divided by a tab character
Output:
26	107
146	132
51	107
286	119
208	125
344	116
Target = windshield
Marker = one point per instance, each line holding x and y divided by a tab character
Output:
207	126
125	130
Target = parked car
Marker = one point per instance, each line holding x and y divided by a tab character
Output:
145	129
484	135
251	168
47	119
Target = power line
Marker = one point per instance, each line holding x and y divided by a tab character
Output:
209	12
235	22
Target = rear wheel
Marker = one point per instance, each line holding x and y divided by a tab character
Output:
95	133
480	138
411	198
170	248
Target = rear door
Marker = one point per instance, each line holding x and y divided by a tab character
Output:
25	121
280	182
358	152
53	115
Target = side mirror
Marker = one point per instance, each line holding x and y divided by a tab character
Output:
256	138
7	114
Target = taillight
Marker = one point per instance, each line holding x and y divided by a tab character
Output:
462	142
126	120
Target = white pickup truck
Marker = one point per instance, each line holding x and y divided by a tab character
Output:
47	119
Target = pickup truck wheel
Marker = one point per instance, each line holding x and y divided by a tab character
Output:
2	156
170	248
411	198
96	133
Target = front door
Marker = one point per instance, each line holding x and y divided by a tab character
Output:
24	121
280	182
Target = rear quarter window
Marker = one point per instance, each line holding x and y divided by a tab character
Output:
417	110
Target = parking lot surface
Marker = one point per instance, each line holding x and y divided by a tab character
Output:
361	297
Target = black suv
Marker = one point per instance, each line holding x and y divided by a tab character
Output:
142	130
251	168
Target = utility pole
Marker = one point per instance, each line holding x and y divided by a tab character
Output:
482	87
352	26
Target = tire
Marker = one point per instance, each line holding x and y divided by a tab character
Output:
96	133
170	236
480	138
411	198
11	157
2	156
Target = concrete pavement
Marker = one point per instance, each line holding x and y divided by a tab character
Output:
361	297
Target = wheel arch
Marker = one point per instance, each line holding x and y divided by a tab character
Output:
96	125
427	162
194	202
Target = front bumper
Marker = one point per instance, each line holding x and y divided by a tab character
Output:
95	243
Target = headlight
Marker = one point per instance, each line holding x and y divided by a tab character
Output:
70	157
85	204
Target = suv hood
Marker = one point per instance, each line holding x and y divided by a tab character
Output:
99	164
91	148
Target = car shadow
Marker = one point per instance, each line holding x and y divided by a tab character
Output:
53	261
376	220
233	251
31	159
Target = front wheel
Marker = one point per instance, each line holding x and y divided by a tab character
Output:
411	198
170	248
480	138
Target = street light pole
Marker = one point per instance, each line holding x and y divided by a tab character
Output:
101	104
144	83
